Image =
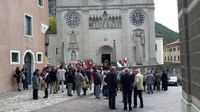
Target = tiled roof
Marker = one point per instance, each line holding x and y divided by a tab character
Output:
172	43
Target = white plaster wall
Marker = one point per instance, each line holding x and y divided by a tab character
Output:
159	52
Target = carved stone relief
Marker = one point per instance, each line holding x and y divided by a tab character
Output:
73	45
73	55
105	21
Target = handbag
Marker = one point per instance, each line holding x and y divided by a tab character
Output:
84	85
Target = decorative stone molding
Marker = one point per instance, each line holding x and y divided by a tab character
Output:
99	7
105	21
104	1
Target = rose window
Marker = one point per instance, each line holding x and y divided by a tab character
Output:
137	18
73	19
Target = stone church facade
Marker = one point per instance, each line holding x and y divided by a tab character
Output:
90	28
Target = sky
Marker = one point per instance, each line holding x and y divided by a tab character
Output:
166	13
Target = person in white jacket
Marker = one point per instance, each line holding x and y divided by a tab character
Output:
61	77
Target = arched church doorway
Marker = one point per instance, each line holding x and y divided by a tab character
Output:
28	65
105	55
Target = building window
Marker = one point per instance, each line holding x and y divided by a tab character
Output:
41	3
178	58
156	47
168	58
39	57
171	58
174	58
14	57
165	58
178	48
28	22
174	49
170	50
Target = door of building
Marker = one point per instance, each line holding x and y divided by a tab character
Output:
105	59
28	65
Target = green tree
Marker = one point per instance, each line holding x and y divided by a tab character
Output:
52	25
169	35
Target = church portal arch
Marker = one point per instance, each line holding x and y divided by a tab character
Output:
104	55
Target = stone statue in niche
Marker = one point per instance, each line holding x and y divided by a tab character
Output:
120	21
113	21
109	21
96	22
138	44
73	37
116	21
100	22
90	22
73	55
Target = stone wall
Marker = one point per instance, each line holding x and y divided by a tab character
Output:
189	43
172	69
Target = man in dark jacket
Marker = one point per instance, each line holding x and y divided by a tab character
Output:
112	87
35	84
164	81
97	83
52	80
70	82
127	85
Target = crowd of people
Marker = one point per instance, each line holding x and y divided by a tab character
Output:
106	80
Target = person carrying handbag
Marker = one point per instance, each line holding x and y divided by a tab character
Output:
84	84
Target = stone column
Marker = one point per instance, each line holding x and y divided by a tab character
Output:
151	42
114	51
62	60
124	34
59	34
86	38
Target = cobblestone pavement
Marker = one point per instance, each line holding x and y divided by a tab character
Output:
22	101
160	101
